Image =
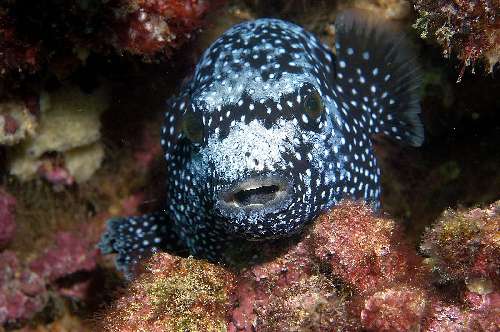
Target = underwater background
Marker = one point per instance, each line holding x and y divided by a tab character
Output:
83	85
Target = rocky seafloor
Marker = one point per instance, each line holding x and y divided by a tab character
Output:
82	92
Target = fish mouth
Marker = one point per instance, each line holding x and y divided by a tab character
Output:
259	193
254	197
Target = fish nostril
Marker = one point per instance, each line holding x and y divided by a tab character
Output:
255	196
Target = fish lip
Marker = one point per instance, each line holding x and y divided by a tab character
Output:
228	205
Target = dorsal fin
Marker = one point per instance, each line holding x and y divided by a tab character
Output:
377	74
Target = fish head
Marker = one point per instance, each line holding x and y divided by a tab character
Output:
257	159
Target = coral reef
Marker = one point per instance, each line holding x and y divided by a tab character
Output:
467	28
66	147
22	292
66	144
17	122
287	287
68	255
351	271
25	288
390	9
17	54
399	308
49	280
363	260
147	27
444	317
367	253
7	218
54	249
173	294
34	36
463	246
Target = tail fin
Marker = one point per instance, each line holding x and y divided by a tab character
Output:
135	238
376	72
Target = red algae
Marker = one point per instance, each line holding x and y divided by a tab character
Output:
25	289
157	25
23	293
464	245
445	317
470	29
36	36
173	294
365	251
7	217
69	254
351	271
395	309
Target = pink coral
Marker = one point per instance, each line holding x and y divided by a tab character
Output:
54	172
7	219
363	252
282	287
444	317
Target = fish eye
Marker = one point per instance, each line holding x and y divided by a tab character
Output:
192	126
313	105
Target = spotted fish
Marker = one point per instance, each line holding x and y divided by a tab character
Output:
273	129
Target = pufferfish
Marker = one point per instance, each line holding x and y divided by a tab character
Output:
273	129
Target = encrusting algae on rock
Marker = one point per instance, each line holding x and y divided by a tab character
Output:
173	294
7	218
36	34
351	271
464	246
29	288
467	29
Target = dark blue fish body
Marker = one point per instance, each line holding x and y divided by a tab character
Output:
272	130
